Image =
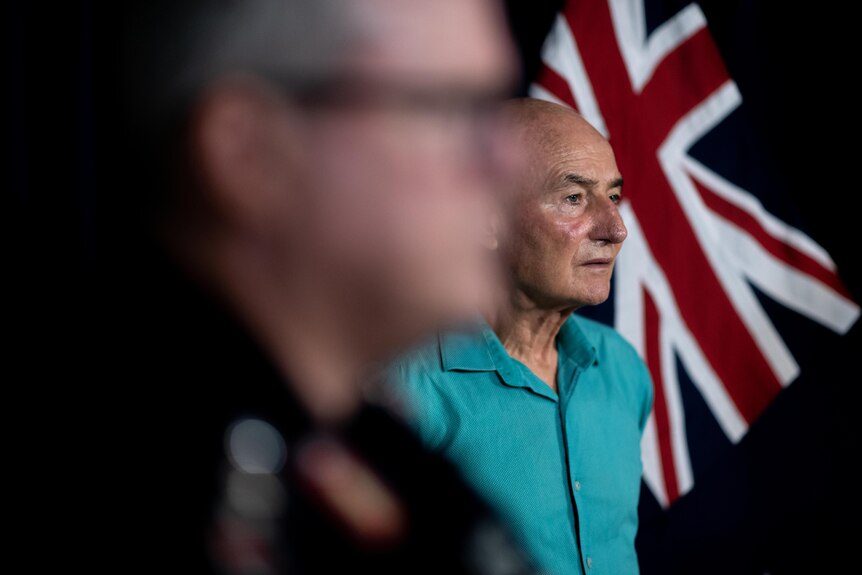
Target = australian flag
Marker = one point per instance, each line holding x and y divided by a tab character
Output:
736	281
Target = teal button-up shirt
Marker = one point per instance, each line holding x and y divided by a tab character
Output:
563	468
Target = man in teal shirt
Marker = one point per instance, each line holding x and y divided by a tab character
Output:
541	409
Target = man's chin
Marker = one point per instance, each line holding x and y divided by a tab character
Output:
472	291
453	304
473	302
594	296
598	300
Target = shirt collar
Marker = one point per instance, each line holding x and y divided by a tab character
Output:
465	351
511	371
480	349
575	346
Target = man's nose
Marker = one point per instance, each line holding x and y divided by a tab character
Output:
608	225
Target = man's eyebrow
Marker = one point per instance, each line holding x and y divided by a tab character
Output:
618	183
573	178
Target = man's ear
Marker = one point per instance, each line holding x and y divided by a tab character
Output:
242	153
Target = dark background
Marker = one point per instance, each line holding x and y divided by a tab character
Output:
784	500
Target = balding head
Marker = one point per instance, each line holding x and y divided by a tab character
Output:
548	131
566	230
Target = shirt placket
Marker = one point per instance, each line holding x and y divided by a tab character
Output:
576	487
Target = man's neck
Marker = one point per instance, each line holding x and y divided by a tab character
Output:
298	326
529	333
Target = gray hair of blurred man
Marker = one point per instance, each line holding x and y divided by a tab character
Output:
175	48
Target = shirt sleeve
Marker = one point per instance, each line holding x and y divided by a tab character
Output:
427	410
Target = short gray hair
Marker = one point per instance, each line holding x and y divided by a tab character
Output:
174	49
178	47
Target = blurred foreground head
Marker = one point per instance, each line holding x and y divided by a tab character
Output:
323	161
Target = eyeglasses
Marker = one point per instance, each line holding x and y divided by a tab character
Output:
462	103
470	113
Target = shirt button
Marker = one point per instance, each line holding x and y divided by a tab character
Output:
589	562
577	485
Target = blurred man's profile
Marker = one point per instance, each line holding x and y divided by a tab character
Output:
310	173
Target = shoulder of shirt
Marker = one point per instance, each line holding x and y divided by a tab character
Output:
609	344
603	336
418	378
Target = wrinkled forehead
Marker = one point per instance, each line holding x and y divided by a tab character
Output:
560	142
449	42
586	154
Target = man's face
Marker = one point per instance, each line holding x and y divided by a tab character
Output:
566	227
402	177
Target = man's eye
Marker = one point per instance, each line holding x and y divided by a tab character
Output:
574	198
616	198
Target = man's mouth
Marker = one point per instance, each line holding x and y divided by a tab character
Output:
598	262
